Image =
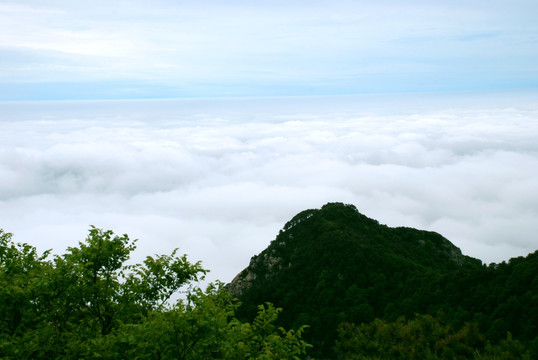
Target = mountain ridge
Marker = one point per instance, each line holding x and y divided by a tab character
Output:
334	265
327	213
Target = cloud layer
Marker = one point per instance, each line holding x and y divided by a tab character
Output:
219	178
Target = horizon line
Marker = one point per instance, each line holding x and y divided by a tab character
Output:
275	97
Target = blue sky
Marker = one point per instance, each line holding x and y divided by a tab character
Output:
60	50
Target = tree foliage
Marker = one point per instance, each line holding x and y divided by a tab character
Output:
90	304
425	338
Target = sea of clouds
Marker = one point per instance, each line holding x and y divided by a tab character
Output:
219	178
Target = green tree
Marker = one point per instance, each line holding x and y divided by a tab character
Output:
88	304
262	339
423	337
54	308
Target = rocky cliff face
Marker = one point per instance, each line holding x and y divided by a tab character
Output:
269	261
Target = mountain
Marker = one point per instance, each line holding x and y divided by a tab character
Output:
334	265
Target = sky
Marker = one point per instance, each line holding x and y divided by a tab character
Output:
59	49
207	125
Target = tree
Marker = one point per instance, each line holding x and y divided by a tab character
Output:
262	339
87	304
423	337
20	274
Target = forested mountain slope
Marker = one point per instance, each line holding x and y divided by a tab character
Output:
333	265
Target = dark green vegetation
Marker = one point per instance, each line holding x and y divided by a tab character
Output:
88	304
368	291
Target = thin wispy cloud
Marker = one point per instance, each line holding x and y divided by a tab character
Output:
81	50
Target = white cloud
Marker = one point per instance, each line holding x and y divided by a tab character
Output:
219	178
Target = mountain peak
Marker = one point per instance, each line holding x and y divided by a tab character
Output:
325	262
338	234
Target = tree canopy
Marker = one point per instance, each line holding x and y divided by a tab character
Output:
88	304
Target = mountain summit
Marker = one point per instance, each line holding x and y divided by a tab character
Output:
337	238
334	265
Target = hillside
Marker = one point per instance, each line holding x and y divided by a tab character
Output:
334	265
